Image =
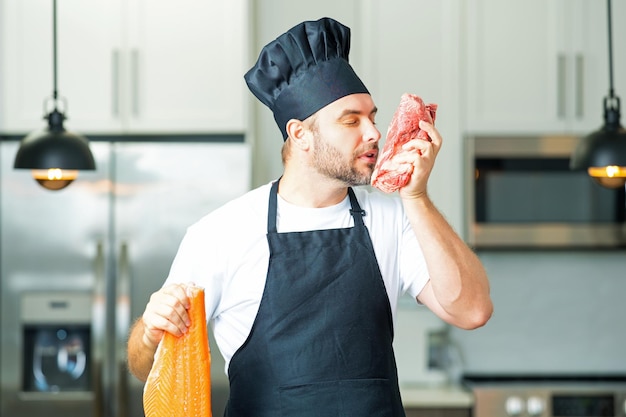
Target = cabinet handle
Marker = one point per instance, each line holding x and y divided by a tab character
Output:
560	86
135	80
115	85
580	86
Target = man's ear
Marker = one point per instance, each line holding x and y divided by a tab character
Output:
298	133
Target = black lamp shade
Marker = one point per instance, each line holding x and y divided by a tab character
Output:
603	154
47	149
604	147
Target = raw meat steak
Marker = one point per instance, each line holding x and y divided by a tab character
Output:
389	176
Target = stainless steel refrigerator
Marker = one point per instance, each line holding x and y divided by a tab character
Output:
78	265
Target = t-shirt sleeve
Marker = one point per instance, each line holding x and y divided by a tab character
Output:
413	269
197	262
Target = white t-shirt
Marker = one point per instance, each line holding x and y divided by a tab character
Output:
227	253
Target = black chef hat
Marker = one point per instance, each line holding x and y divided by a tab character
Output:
303	70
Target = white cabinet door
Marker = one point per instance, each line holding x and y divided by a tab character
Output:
131	66
513	65
89	51
536	66
185	62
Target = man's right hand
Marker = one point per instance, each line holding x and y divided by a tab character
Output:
165	312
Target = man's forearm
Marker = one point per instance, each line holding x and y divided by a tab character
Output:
140	353
459	281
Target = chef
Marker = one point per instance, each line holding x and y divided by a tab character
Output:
303	275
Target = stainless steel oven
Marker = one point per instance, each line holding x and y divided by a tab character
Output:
549	397
520	193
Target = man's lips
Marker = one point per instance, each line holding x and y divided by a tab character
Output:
371	155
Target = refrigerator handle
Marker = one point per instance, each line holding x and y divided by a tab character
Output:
98	327
122	319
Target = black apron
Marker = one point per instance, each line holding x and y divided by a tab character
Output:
321	343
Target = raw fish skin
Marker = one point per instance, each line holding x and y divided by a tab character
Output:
389	176
179	383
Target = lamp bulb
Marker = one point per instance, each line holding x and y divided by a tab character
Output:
612	176
54	178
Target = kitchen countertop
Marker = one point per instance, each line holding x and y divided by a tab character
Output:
444	396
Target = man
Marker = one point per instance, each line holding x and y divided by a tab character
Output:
302	276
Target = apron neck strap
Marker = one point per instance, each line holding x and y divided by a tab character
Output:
272	210
355	209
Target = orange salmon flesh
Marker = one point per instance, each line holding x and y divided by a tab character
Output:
179	383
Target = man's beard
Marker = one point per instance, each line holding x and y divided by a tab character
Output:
330	162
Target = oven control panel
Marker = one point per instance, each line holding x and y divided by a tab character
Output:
550	401
532	406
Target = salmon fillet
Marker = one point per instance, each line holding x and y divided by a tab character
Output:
179	383
388	175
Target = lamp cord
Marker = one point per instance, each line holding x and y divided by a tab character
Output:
54	51
611	102
611	91
55	117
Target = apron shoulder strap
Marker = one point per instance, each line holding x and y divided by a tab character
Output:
356	211
272	208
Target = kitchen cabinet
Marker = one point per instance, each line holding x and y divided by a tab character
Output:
127	66
539	66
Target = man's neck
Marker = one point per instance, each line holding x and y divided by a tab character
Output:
311	191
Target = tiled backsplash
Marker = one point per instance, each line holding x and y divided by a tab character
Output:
554	312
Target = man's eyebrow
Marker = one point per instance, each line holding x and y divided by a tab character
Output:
348	112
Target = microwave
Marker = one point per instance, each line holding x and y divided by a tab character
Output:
521	193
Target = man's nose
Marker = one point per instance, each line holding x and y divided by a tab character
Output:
371	134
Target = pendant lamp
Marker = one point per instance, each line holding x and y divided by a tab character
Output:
54	154
603	152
